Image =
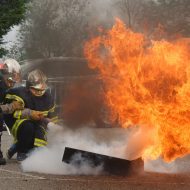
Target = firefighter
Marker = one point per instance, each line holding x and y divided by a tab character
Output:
9	76
27	125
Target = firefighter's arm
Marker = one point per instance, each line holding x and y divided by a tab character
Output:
10	108
28	114
11	103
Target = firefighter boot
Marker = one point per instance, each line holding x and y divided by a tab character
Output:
11	151
2	160
21	156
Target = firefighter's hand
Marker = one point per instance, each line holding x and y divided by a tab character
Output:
45	121
36	115
17	105
10	108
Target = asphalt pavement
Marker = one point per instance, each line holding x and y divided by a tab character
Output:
13	178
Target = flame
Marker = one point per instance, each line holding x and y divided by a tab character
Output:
147	82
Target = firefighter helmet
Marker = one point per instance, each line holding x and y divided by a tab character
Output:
1	65
11	71
12	66
36	82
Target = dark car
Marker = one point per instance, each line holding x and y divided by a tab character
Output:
76	88
60	71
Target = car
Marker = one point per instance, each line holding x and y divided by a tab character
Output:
60	71
77	89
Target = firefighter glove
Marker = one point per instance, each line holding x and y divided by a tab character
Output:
36	115
17	105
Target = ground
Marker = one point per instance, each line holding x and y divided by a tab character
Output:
12	178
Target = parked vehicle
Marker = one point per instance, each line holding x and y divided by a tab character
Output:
76	88
60	71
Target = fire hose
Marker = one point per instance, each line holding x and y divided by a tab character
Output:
5	126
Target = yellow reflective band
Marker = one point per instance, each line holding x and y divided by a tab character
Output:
14	97
45	132
39	142
38	145
45	113
17	114
16	126
54	119
52	109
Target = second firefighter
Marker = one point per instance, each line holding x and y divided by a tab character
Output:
27	125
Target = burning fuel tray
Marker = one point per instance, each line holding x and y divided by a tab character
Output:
111	165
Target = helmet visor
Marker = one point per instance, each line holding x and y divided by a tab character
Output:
40	86
37	92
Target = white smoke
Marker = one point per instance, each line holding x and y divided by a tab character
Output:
110	142
140	138
103	12
180	165
116	142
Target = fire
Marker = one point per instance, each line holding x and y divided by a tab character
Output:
147	82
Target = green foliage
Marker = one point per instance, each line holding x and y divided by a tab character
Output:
16	52
11	13
3	51
54	28
60	27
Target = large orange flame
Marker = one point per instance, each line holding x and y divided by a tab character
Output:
147	83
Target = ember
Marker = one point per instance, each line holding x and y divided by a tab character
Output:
147	82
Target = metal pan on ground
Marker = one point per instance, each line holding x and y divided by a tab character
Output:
111	165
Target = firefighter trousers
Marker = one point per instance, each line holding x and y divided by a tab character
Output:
28	135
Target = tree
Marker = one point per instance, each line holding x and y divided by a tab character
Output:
173	15
131	12
60	27
11	13
16	52
54	28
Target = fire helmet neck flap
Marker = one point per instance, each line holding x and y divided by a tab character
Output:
36	82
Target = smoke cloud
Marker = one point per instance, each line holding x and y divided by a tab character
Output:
49	159
115	142
83	104
180	165
140	138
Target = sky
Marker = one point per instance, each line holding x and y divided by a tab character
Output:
10	37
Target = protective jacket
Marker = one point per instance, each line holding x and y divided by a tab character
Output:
3	89
18	124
